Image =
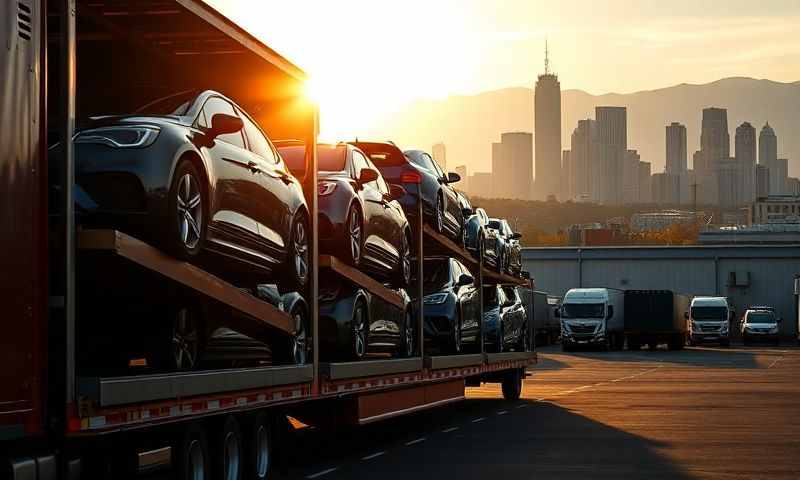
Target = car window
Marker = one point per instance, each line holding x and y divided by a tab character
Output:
436	166
423	160
257	141
380	182
510	294
213	106
359	162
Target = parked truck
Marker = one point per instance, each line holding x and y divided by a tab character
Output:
709	321
546	326
654	317
592	317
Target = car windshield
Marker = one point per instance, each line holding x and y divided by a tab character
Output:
710	313
582	310
420	159
330	158
436	276
761	317
382	155
177	104
495	224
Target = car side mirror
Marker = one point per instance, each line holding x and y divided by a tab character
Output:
516	236
396	192
465	279
222	124
367	175
609	312
453	177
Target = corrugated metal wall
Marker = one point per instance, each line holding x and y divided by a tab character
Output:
764	275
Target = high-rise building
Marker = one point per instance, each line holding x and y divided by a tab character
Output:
676	149
547	127
630	177
715	143
762	181
501	171
518	149
567	176
645	187
728	178
439	153
746	159
781	171
793	186
480	184
585	158
768	154
463	185
613	146
665	188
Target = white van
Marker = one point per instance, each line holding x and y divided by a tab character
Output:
709	321
592	316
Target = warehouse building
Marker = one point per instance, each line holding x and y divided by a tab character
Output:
747	275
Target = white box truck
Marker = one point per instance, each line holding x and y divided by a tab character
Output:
709	321
592	317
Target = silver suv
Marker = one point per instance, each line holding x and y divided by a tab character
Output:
760	325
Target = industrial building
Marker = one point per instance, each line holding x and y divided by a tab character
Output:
747	275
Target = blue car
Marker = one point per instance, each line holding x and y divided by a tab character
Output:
504	319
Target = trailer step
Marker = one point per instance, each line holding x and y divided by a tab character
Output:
370	368
453	361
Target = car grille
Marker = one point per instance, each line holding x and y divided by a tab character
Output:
709	328
579	329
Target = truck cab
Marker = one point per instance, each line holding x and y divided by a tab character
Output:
590	316
709	321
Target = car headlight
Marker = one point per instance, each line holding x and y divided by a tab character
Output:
773	329
135	136
325	188
435	299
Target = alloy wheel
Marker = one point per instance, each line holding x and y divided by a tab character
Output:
299	340
359	331
262	452
409	334
439	215
405	261
300	245
190	211
354	227
196	462
185	341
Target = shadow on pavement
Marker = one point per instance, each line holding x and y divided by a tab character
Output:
540	441
714	357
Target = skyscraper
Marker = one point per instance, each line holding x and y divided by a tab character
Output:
715	143
612	131
585	157
630	177
645	187
501	171
676	149
768	155
547	127
439	153
762	181
463	185
746	160
518	151
567	176
781	171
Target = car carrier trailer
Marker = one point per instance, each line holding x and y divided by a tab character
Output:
60	422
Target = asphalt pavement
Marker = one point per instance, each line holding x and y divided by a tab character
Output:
707	412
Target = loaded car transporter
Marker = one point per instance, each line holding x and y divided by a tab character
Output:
60	420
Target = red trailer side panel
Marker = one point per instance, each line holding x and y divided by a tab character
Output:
22	255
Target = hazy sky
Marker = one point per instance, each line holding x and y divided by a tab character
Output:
368	58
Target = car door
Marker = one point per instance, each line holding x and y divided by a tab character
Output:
233	223
392	220
278	194
452	208
516	310
372	200
470	303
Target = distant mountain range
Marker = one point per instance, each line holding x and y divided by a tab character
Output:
468	124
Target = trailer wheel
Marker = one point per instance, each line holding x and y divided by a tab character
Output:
192	454
228	458
259	447
512	385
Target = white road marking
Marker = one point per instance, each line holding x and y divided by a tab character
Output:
479	419
502	412
413	442
324	472
374	455
451	429
775	361
522	405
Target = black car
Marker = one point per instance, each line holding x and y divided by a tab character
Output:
504	319
194	173
360	218
451	304
440	203
511	253
477	237
354	323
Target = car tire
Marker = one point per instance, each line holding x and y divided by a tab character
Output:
455	335
296	349
512	385
355	236
402	275
297	257
187	202
407	342
186	342
228	451
439	214
359	331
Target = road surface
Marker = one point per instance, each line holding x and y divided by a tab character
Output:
698	413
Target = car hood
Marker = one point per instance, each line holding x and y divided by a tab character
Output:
114	120
760	325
